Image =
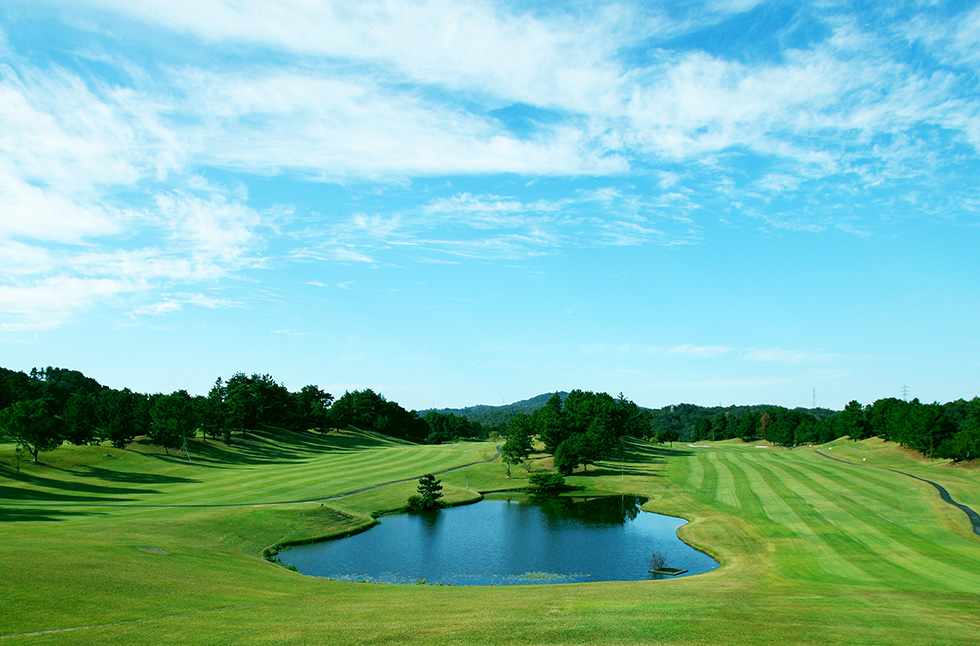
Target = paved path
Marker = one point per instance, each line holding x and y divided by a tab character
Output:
970	513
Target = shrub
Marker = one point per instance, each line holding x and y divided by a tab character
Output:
547	481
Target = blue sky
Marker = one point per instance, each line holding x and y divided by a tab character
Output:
459	202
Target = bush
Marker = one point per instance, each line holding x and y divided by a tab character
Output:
547	481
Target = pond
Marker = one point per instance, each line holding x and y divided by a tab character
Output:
506	540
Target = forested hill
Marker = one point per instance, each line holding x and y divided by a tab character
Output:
680	418
498	416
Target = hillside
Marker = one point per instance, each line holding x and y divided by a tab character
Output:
497	416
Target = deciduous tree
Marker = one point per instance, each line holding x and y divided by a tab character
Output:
32	425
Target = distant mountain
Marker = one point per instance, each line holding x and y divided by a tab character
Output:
498	415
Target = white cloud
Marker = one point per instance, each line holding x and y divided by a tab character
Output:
503	227
155	309
213	227
48	303
777	355
385	92
175	302
332	127
30	212
699	351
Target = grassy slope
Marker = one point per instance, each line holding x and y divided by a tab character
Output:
814	551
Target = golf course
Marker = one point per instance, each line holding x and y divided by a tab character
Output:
100	545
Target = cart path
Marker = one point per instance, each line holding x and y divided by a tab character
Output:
970	513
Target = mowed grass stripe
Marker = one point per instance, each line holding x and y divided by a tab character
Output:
814	539
909	509
873	483
748	501
773	506
898	556
695	473
321	476
725	489
833	556
960	482
325	478
709	481
915	523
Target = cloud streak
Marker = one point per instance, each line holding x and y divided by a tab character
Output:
108	159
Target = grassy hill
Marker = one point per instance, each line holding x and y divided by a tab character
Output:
100	545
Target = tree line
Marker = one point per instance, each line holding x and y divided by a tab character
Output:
46	407
42	409
950	430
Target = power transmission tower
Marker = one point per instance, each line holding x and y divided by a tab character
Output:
905	392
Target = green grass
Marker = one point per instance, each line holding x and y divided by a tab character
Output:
137	547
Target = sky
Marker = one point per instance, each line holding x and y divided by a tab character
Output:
457	202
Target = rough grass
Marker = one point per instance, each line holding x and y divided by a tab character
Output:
135	547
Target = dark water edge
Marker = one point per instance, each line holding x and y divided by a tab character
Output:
509	539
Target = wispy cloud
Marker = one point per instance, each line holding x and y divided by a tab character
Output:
497	227
776	355
698	351
728	353
106	159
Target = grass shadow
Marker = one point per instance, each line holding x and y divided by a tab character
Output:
34	515
275	445
67	485
35	495
639	459
133	477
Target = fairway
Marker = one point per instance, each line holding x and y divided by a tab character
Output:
100	545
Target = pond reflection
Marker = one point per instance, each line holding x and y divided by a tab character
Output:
600	510
509	539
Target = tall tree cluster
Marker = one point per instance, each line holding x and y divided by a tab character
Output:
584	428
49	406
950	430
366	409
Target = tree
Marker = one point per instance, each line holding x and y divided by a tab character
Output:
518	445
211	411
172	420
311	408
80	419
671	436
430	491
853	421
366	409
568	455
549	423
748	426
241	403
702	430
32	425
966	442
119	416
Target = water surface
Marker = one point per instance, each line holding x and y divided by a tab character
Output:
509	539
